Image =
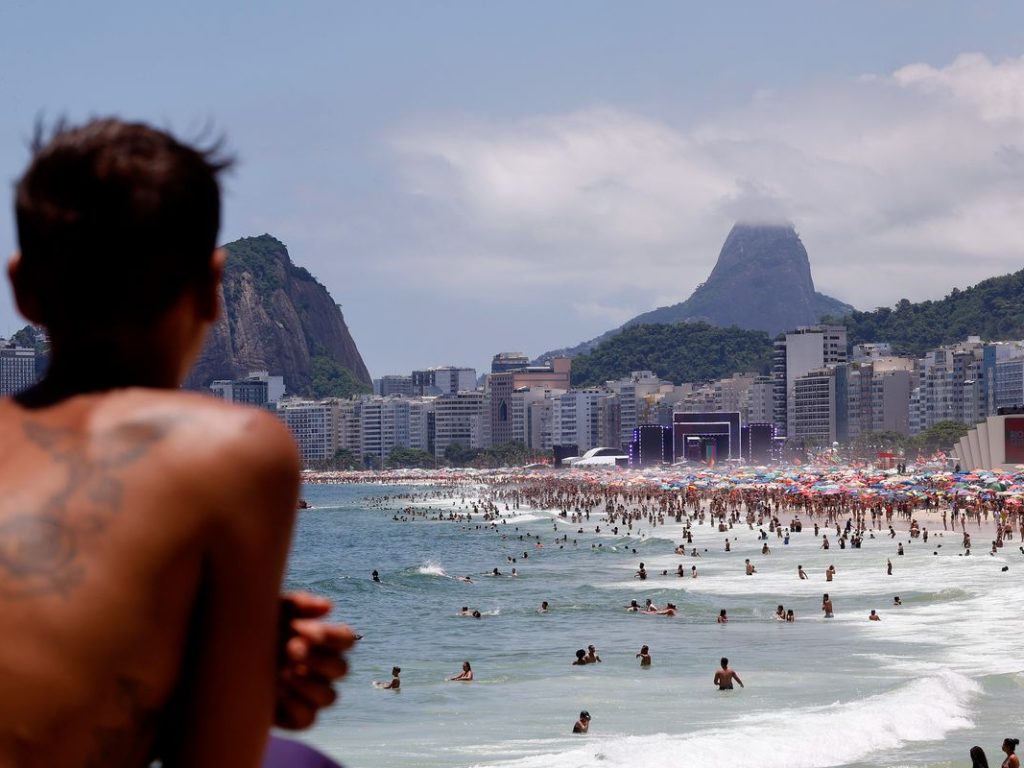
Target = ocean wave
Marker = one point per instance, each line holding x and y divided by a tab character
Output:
817	737
430	568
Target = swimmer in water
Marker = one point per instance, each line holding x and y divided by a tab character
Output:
790	616
780	613
644	656
465	611
543	607
1010	748
874	616
633	607
375	576
750	569
465	676
650	607
800	572
669	610
581	658
477	614
722	617
583	724
394	683
592	657
725	676
826	606
896	600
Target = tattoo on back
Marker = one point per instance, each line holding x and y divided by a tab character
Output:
40	548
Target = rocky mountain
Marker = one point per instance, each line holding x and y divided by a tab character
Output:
761	282
278	318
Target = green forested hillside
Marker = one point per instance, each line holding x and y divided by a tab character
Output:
681	352
992	309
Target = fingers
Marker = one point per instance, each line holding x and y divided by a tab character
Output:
304	605
304	660
294	714
314	692
318	634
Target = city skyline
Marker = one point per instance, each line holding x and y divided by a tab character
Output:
417	174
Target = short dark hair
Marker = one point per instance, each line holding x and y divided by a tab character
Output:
115	220
725	662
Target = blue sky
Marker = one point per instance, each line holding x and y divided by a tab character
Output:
468	177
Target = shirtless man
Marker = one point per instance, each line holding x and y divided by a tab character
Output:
143	530
583	724
750	569
826	605
725	676
644	656
800	572
394	683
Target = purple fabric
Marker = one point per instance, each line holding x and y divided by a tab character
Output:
285	753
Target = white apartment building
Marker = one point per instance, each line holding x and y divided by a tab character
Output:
463	419
804	350
584	418
637	395
313	423
757	404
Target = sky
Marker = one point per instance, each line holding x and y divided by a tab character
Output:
468	178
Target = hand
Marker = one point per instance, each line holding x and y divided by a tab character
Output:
311	659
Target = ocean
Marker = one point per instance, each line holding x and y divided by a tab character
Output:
918	688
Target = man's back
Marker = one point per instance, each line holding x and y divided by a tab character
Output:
133	525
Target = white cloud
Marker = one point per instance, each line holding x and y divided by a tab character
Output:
904	184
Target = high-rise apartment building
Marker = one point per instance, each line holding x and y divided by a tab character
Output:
800	352
17	369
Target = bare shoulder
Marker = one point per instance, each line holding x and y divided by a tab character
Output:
218	443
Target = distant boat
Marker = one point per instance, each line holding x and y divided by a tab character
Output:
303	504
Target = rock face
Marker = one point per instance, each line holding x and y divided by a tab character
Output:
761	282
277	318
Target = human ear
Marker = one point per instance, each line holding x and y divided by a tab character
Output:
209	295
27	303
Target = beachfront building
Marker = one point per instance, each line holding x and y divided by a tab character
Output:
818	414
500	386
461	419
806	349
638	396
313	424
952	383
756	406
531	417
586	418
880	395
17	369
443	380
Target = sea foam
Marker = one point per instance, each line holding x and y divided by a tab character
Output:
816	737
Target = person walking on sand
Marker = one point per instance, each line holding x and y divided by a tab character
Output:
725	676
